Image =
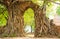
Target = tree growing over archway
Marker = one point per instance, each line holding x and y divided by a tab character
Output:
15	23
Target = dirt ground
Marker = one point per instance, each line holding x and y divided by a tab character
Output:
27	38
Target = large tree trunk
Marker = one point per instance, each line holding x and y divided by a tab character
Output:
43	27
15	23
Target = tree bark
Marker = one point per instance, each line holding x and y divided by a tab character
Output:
15	24
43	27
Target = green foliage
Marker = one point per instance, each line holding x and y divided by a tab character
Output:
29	17
38	2
3	15
58	10
49	9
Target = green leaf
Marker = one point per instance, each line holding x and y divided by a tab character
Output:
3	15
58	10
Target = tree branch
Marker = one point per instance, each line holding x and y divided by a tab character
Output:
55	2
52	1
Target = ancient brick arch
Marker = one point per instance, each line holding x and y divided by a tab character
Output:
15	23
38	14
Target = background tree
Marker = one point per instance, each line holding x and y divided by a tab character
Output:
58	10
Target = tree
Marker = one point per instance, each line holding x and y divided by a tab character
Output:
15	23
43	27
58	10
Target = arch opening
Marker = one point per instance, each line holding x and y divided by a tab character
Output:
29	21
